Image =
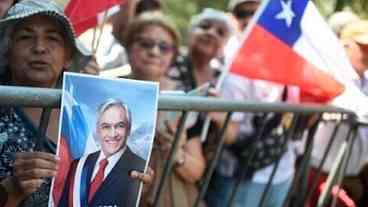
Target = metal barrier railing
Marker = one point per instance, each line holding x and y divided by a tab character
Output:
50	98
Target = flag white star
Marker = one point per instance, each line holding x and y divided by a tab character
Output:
287	13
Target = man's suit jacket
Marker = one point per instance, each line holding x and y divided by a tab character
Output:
117	189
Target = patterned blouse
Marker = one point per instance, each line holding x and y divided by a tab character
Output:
182	74
17	134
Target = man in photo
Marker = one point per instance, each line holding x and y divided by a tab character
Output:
102	178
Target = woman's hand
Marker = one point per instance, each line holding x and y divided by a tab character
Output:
146	178
217	117
30	170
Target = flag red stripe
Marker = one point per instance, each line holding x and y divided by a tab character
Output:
62	173
263	56
83	13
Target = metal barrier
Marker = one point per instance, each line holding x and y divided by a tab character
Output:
50	98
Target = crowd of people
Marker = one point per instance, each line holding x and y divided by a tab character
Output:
38	44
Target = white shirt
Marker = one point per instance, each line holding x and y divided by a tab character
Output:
239	88
359	155
111	162
110	53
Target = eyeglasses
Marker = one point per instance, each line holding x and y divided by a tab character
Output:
149	44
240	14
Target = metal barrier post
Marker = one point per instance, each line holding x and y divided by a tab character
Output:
170	162
287	135
345	165
213	163
303	164
244	170
334	171
319	169
42	128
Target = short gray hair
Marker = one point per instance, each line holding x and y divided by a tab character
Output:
212	14
115	102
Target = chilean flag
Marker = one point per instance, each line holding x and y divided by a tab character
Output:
72	142
290	43
84	14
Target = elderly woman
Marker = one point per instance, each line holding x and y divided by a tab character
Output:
152	44
41	45
208	34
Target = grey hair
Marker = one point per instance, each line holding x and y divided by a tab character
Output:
211	14
115	102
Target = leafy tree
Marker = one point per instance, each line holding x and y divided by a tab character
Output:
327	7
182	10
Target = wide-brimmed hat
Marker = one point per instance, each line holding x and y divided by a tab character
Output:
357	31
234	3
339	20
28	8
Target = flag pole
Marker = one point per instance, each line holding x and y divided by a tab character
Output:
218	86
226	70
101	27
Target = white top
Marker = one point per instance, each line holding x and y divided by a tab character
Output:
360	147
240	88
110	53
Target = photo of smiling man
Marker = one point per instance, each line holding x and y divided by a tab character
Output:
99	173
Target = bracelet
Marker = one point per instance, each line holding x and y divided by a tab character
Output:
3	196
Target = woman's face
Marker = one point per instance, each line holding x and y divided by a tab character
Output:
209	38
151	53
38	52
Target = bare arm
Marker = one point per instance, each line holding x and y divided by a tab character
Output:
123	18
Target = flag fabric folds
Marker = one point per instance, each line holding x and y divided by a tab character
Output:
84	13
290	43
71	135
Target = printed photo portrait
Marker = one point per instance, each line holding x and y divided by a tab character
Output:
106	131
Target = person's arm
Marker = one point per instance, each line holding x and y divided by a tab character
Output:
123	18
30	169
218	118
145	177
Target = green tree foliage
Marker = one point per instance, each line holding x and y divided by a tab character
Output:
182	10
327	7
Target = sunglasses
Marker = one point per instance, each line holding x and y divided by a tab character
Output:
149	44
240	14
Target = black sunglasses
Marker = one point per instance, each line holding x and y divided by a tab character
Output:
149	44
243	13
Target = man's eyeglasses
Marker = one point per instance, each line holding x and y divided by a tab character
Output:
165	48
240	14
